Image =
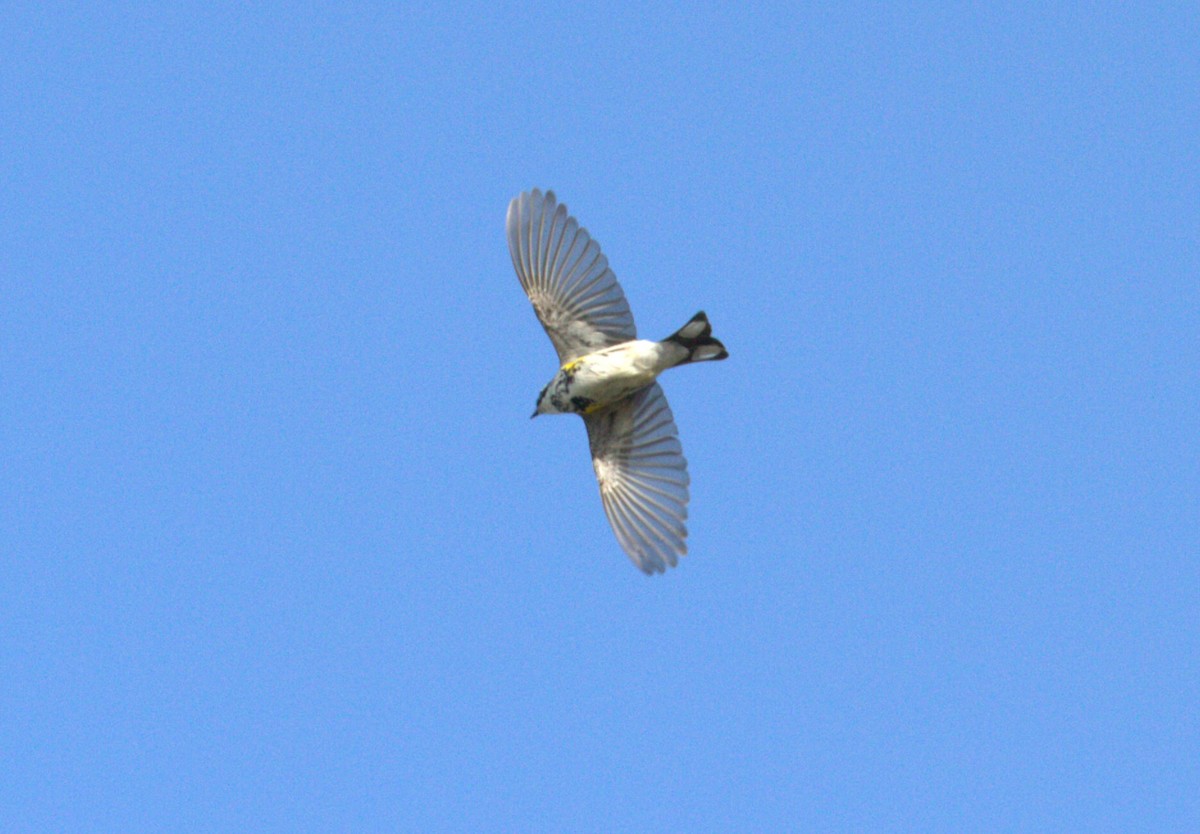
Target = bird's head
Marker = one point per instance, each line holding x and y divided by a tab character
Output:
544	406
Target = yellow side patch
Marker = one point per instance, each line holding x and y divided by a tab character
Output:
572	365
593	408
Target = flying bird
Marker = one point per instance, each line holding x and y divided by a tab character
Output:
608	375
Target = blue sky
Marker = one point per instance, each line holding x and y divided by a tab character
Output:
282	550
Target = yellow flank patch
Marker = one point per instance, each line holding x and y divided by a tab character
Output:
572	365
593	408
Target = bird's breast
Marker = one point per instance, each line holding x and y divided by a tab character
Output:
599	379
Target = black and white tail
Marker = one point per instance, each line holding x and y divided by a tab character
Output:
696	338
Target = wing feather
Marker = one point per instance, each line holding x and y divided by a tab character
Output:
643	477
566	276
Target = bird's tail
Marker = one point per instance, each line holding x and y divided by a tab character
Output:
696	338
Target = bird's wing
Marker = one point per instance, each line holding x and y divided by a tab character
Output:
575	294
643	477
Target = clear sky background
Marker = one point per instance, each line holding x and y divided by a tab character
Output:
282	550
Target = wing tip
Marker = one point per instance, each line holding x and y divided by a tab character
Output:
653	564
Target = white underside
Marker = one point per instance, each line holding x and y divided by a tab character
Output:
613	373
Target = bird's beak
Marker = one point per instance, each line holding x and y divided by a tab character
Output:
534	414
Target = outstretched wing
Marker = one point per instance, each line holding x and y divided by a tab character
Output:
643	477
575	294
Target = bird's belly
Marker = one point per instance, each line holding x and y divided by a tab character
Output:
601	379
605	389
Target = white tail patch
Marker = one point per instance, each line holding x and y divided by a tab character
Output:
695	337
706	352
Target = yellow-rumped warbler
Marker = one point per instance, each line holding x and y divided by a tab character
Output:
608	377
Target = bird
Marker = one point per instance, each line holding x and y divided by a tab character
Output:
608	377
